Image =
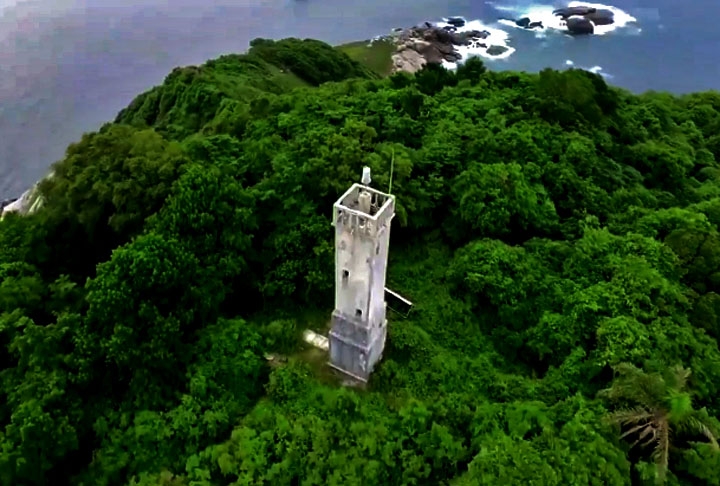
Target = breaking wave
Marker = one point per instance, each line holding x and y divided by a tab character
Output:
496	38
544	14
546	23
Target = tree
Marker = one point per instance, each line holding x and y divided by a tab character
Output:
661	414
548	227
496	199
102	192
472	70
145	305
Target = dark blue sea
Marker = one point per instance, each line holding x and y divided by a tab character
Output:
67	66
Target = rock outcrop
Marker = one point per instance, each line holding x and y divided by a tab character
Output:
29	202
601	17
408	60
427	43
580	20
580	26
6	202
496	50
456	21
566	12
21	205
526	23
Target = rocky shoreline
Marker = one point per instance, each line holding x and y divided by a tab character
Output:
415	47
579	20
433	44
442	43
7	202
28	202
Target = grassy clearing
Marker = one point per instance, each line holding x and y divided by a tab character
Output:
286	78
377	55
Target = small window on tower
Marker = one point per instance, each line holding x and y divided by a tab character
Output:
345	274
377	250
358	313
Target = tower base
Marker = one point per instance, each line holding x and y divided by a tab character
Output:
354	348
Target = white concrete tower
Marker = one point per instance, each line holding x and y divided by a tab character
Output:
362	219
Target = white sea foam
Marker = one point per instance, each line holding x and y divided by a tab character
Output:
544	14
594	69
496	37
536	13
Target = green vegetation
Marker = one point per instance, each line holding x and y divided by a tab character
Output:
558	236
377	55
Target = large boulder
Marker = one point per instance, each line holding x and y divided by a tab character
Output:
568	12
601	17
598	16
580	26
466	38
454	56
496	50
526	23
438	35
408	60
431	52
444	48
456	21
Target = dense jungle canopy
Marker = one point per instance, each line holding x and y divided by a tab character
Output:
559	238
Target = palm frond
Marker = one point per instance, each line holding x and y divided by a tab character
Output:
680	376
632	416
634	385
695	425
662	449
641	422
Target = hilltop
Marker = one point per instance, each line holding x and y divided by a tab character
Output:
558	236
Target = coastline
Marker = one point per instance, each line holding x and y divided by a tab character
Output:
446	43
404	49
409	49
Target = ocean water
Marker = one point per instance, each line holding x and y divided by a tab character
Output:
67	66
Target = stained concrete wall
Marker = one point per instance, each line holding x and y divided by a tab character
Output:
362	239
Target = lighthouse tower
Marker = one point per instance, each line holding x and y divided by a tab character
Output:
362	219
